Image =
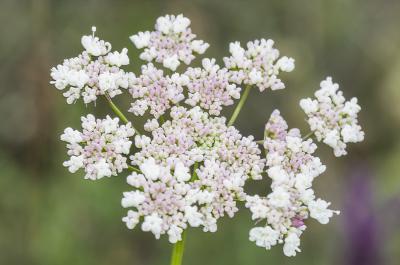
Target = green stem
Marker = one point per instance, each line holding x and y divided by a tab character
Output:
118	112
162	120
177	251
131	168
308	135
240	105
194	175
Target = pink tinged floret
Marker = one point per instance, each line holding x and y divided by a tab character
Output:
155	91
297	222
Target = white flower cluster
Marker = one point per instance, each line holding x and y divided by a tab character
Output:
172	42
160	198
191	167
209	87
155	91
259	65
332	119
100	149
94	72
292	168
223	161
167	201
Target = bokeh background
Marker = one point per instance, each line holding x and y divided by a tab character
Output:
48	216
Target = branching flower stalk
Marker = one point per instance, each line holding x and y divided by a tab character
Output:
118	112
240	105
190	166
308	135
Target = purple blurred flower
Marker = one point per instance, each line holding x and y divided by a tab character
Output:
361	224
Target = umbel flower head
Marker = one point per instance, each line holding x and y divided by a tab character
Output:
209	87
171	43
167	201
172	197
152	90
191	136
259	65
100	149
190	167
96	71
292	168
333	119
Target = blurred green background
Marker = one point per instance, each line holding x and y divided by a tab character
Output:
48	216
